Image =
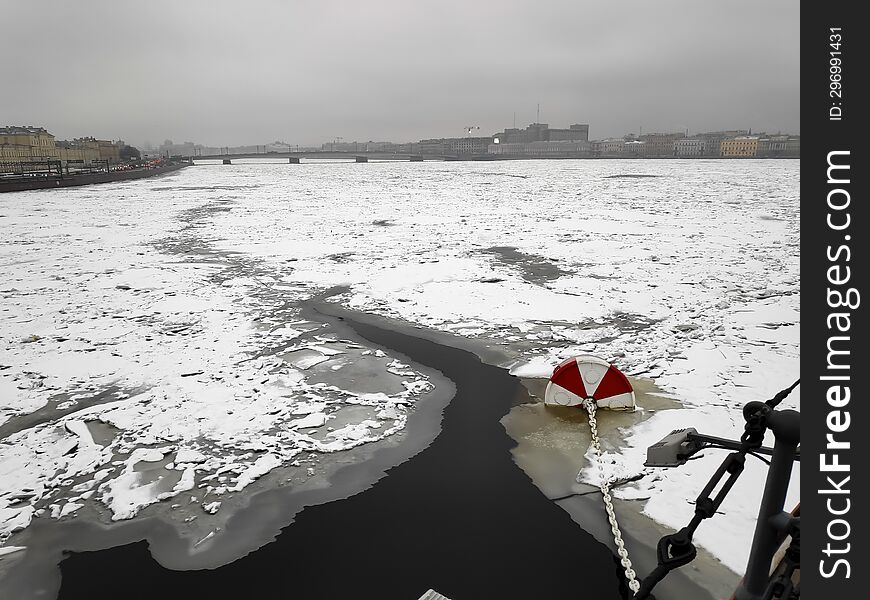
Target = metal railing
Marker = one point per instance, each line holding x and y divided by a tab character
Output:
49	168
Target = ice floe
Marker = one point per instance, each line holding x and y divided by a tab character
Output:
173	317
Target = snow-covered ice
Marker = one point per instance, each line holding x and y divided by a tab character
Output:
166	309
119	315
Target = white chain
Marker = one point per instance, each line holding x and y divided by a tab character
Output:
604	484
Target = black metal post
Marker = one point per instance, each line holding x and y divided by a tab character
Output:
785	425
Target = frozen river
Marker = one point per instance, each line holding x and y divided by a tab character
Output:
156	355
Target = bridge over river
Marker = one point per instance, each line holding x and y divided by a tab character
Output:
327	155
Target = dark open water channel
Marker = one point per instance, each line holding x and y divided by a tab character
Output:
459	517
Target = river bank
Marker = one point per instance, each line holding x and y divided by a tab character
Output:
52	182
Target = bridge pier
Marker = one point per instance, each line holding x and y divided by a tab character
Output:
416	158
294	160
362	159
227	161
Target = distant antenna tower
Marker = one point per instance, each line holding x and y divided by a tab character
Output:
538	120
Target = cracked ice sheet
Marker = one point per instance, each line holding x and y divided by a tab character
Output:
88	303
706	254
237	426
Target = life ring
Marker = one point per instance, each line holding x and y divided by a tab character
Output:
588	376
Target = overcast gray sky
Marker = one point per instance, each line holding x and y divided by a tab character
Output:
253	71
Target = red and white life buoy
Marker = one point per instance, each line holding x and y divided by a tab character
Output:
588	376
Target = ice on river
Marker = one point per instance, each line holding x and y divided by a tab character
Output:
175	298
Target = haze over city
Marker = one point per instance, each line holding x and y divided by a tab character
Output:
220	73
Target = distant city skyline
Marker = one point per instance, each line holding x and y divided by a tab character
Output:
223	74
263	144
